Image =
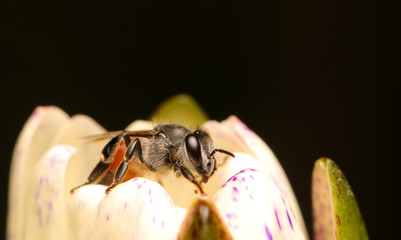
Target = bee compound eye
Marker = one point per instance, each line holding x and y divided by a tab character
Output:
193	147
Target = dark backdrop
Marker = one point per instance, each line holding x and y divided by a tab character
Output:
310	77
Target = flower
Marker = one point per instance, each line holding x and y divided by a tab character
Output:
249	196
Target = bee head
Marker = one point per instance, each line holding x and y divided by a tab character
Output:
198	146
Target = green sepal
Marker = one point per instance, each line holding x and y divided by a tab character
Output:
335	211
180	109
203	222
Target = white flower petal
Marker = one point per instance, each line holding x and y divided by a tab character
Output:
254	208
225	138
33	141
44	216
231	167
260	150
140	125
87	156
136	209
267	158
82	210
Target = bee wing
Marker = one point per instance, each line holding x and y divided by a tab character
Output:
143	134
102	136
108	135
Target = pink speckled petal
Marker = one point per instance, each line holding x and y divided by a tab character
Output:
230	168
137	209
88	153
45	216
82	208
254	208
33	141
264	154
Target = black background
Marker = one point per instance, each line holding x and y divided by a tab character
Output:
312	78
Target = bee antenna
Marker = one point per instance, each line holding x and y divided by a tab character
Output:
222	151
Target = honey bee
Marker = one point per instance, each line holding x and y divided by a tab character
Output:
162	150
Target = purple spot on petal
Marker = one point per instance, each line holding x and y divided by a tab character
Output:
139	186
251	196
165	194
289	220
48	218
243	179
40	180
292	213
40	215
98	209
53	161
252	177
107	217
234	178
235	199
228	215
68	149
235	190
37	195
150	192
162	224
278	221
154	219
125	205
268	234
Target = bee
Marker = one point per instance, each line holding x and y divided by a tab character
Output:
165	149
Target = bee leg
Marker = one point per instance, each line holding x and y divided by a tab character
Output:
177	172
188	175
132	148
104	163
100	168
